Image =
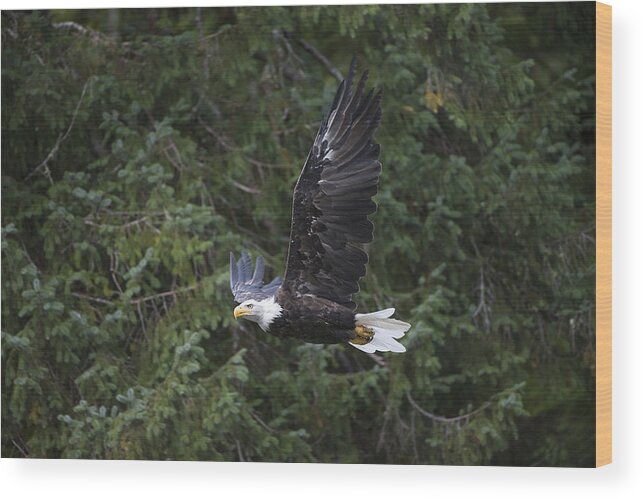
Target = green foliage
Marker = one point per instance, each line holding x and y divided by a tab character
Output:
141	146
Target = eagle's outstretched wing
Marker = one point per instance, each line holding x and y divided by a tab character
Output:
246	284
332	199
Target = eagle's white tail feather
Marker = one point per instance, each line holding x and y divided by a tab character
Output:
380	314
386	331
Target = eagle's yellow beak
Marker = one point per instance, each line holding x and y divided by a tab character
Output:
240	311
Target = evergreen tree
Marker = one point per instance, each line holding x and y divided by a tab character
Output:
141	146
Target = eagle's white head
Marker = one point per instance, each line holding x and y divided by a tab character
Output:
263	312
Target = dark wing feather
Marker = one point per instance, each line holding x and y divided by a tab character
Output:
332	199
246	284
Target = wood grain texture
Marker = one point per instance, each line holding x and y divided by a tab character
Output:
603	234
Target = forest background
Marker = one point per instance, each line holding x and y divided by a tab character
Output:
141	146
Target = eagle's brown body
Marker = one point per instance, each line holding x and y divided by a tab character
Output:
313	319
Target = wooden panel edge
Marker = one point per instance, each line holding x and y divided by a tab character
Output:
603	234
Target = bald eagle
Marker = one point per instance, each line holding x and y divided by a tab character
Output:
330	225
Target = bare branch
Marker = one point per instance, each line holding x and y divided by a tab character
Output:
176	162
442	419
221	30
22	451
284	37
483	306
92	298
113	269
241	459
204	45
228	145
127	225
245	188
141	318
97	36
162	295
379	360
136	301
321	58
262	422
61	138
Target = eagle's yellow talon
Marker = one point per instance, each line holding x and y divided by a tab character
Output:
364	335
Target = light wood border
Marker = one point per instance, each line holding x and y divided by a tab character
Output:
603	234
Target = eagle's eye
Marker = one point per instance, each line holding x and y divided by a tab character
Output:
249	305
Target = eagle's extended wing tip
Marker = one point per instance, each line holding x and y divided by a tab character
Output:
343	148
353	65
233	272
257	276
